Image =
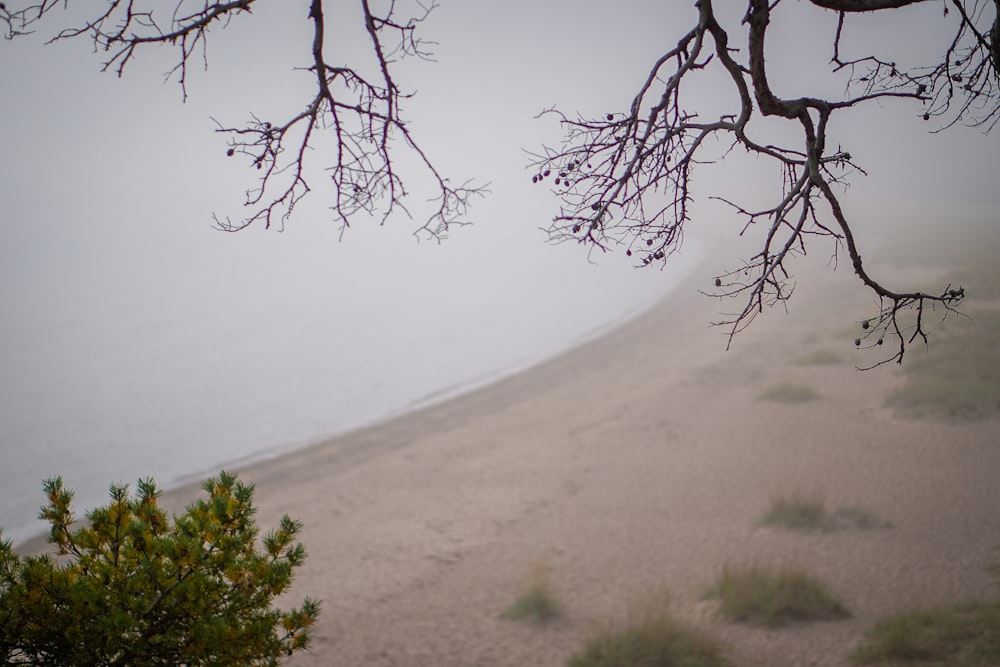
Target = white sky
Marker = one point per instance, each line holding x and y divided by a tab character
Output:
93	164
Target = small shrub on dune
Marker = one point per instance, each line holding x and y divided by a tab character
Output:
798	512
821	357
956	380
755	595
803	513
536	603
655	639
946	399
966	634
789	393
859	517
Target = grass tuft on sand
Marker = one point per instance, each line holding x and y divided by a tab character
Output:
822	357
654	639
966	634
859	517
788	393
957	378
536	602
756	595
797	511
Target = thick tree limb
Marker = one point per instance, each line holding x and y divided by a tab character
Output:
863	5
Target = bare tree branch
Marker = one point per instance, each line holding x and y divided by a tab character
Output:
123	27
626	179
357	112
962	87
623	179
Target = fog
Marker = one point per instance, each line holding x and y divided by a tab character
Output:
138	340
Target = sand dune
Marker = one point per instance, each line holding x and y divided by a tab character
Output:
639	462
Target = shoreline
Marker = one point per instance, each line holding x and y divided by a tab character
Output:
639	461
446	408
188	485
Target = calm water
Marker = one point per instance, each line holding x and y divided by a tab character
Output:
173	362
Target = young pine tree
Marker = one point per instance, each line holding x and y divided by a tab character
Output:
132	587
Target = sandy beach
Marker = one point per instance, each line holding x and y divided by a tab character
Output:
638	463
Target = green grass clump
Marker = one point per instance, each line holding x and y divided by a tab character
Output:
859	517
755	595
796	511
819	358
536	603
654	640
789	393
957	378
947	399
966	634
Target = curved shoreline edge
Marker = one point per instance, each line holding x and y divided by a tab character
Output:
188	485
640	461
